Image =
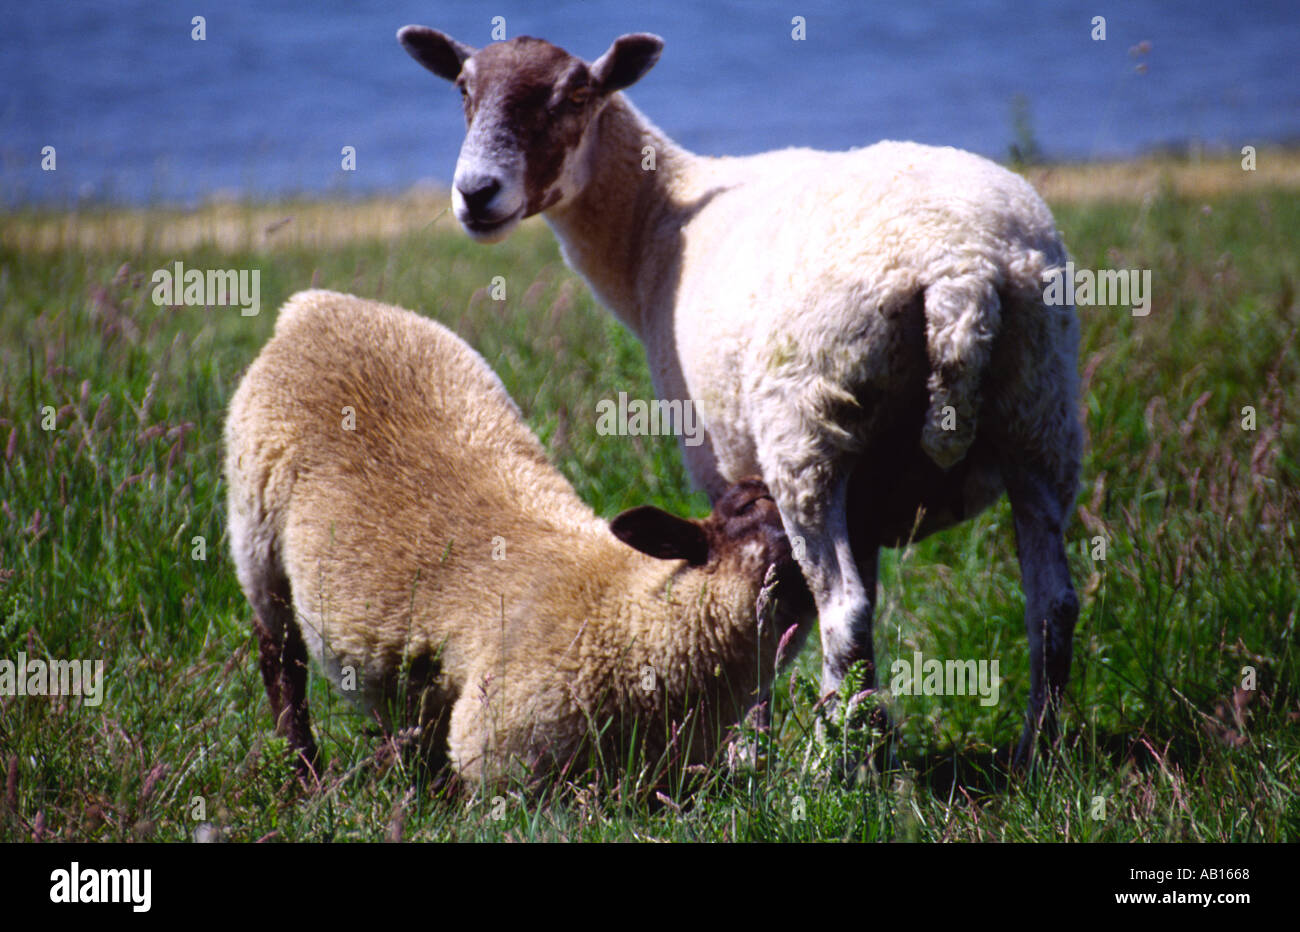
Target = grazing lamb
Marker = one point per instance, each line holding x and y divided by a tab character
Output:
392	516
864	329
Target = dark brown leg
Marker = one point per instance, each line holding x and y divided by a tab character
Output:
1051	606
295	716
269	650
283	662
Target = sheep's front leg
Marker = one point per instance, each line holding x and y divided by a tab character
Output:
1051	606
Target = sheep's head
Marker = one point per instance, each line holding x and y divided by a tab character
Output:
528	108
741	539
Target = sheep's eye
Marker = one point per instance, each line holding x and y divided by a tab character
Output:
579	96
748	505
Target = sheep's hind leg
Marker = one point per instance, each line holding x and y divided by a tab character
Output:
283	663
293	685
844	608
842	582
282	656
1051	606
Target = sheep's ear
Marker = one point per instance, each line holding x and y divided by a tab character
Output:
438	52
626	61
659	534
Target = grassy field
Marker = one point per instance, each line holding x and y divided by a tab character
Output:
1196	505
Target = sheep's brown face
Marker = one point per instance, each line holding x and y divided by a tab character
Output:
746	525
742	538
746	529
528	106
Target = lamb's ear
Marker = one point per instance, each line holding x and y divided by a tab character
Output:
438	52
659	534
625	62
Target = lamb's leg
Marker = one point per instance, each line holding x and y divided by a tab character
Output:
283	663
473	744
1051	606
282	656
295	715
270	647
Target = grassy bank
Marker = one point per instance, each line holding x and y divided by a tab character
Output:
102	517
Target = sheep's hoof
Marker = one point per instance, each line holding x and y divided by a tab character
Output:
855	737
746	748
744	756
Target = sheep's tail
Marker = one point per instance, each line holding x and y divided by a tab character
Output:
962	316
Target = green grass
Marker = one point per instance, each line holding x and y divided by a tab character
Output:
1200	517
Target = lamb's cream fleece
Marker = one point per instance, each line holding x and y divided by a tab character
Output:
431	548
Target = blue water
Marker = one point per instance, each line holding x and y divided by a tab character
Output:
138	111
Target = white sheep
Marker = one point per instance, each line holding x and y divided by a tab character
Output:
866	329
392	516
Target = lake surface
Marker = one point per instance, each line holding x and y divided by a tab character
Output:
138	111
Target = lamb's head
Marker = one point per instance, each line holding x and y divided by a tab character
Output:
740	541
528	108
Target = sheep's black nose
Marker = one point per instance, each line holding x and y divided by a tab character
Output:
478	193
